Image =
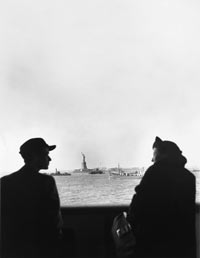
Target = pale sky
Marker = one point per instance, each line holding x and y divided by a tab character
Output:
102	77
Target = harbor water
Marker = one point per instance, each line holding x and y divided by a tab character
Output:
100	189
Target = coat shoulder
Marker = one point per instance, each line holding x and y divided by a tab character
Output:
9	177
47	180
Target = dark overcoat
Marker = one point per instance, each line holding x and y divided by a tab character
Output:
30	214
162	211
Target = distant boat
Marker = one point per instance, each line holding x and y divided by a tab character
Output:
91	171
118	172
195	170
62	174
95	171
58	173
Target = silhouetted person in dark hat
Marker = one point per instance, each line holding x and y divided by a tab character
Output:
162	211
30	206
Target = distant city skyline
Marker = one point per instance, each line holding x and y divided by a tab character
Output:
99	77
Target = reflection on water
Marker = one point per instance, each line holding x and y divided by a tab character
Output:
85	189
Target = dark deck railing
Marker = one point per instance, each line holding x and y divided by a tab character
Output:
88	230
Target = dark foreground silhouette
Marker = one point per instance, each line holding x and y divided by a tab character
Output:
30	207
162	211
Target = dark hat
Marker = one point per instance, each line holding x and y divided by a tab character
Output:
166	146
35	145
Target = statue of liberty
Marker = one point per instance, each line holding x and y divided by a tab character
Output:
83	165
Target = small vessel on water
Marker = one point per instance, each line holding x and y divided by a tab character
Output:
89	171
96	171
118	172
58	173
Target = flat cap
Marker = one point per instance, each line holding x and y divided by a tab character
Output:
35	145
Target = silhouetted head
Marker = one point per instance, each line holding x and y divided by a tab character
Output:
167	150
35	153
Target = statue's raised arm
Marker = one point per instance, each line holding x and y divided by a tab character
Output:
83	156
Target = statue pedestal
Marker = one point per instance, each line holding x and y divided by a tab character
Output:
83	166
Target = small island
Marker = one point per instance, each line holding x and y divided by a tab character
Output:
85	170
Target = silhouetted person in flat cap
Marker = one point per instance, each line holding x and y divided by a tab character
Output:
162	211
30	206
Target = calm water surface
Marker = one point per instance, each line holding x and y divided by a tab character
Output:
86	189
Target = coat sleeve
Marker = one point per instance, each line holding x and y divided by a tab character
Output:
142	199
52	206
